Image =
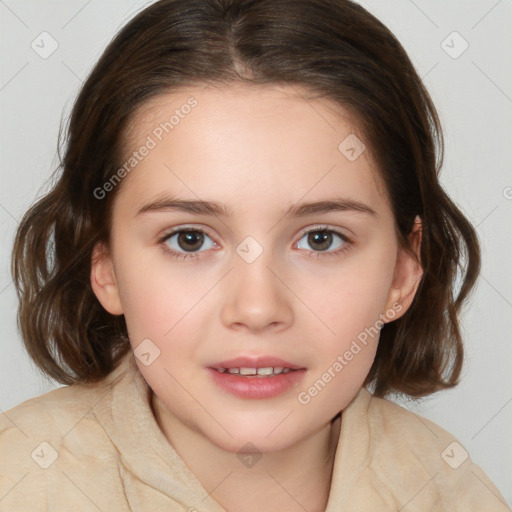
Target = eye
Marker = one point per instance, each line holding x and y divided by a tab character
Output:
184	242
321	238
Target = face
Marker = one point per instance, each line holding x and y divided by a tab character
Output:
253	282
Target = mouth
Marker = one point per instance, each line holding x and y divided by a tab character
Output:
267	371
257	377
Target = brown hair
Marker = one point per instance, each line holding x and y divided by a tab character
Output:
337	50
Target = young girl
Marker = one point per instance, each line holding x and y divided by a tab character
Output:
247	250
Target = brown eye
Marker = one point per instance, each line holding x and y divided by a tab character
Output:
322	239
190	240
187	240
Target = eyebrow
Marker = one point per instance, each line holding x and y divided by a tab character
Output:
220	210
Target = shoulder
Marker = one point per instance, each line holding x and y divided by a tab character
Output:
59	414
398	424
415	455
44	437
53	413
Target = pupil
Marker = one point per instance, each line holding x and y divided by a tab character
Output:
191	240
194	240
320	237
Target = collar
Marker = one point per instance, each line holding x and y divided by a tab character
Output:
128	419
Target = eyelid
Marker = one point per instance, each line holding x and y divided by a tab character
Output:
185	227
324	227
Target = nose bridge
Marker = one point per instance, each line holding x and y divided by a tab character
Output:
252	264
255	297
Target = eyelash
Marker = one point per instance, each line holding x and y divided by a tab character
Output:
184	256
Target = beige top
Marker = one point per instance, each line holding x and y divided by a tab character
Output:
98	448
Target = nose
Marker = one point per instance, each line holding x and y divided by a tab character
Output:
256	297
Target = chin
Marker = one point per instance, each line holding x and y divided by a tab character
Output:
252	442
266	434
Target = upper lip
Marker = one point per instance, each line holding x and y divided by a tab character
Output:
256	362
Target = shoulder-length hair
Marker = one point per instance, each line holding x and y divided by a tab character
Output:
337	50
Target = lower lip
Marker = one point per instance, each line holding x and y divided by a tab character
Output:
257	387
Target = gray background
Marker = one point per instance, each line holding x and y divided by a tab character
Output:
472	92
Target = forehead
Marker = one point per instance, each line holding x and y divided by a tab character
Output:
246	137
239	102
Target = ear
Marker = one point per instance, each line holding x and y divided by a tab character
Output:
103	279
408	273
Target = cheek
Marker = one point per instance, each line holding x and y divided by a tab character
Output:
351	314
349	296
153	298
349	303
166	304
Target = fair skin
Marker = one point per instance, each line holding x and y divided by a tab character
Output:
258	151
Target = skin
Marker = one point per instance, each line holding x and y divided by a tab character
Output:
259	150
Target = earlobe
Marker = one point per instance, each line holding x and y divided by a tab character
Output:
103	280
408	273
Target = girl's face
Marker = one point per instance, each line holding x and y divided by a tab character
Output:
243	285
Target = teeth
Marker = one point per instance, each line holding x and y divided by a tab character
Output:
263	372
247	371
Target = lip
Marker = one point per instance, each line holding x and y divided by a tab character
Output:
254	387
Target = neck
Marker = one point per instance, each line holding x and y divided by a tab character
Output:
297	478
